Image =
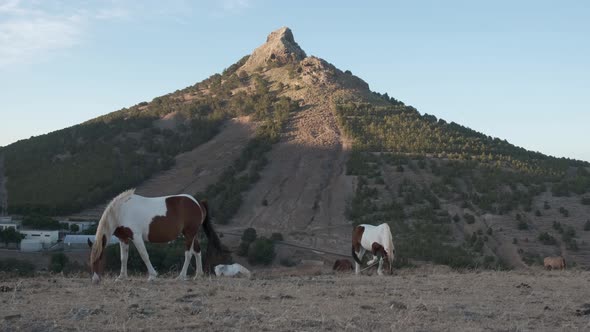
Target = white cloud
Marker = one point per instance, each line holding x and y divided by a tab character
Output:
33	31
30	40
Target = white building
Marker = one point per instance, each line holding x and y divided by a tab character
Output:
7	225
7	222
31	245
43	236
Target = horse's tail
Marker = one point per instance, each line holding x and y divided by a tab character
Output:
208	228
356	258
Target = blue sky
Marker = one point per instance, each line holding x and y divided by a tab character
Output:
518	70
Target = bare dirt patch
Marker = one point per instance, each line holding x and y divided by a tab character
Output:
418	299
200	167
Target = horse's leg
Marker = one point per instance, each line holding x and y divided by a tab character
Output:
188	255
197	252
124	255
380	268
357	266
187	259
144	256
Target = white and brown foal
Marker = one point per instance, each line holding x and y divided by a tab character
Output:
377	240
135	218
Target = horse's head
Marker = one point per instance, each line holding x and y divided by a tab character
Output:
97	260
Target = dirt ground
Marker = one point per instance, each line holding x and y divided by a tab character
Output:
421	299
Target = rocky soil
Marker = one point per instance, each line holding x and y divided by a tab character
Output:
423	299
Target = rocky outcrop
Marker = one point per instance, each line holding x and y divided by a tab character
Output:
280	48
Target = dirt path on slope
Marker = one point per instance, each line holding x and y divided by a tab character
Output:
302	192
200	167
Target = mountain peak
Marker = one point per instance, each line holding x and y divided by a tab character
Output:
280	48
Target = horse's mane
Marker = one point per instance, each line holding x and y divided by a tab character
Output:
111	212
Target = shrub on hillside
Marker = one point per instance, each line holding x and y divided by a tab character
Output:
547	239
276	237
557	226
522	225
564	211
261	251
288	262
249	235
469	218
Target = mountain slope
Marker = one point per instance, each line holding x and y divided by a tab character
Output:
319	152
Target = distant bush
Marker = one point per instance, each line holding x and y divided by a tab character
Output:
585	200
249	235
456	218
522	225
546	205
261	251
58	262
587	225
557	226
16	266
572	245
531	258
243	249
276	237
547	239
287	261
564	211
538	213
469	218
568	234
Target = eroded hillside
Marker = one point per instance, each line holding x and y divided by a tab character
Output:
288	143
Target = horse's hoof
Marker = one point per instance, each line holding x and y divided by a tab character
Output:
183	278
152	278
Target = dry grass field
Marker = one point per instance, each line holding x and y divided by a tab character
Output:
420	299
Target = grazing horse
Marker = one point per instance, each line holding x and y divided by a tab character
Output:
135	218
376	239
554	263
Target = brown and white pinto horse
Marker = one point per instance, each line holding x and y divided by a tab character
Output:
135	218
376	239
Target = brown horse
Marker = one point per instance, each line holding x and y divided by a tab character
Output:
135	218
551	263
